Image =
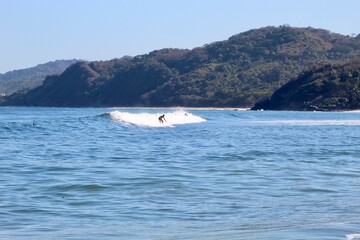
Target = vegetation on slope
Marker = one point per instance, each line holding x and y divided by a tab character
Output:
30	78
237	72
329	88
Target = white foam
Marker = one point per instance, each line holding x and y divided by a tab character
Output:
353	236
152	119
313	122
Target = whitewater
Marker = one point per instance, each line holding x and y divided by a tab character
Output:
152	119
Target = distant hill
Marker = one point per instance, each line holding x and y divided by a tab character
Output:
237	72
29	78
328	88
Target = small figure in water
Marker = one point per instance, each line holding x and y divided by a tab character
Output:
162	118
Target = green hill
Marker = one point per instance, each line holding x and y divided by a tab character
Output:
236	72
30	78
329	88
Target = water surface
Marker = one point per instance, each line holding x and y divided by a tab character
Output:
99	173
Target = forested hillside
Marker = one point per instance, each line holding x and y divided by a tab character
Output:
30	78
329	88
237	72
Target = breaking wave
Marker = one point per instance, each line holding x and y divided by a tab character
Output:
152	119
353	236
312	122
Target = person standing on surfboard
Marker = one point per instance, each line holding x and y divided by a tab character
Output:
162	118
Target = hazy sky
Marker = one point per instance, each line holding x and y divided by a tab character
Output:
37	31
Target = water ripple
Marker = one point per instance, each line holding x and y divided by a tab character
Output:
77	174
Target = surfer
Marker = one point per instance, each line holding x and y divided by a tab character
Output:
162	118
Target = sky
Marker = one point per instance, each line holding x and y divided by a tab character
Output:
33	32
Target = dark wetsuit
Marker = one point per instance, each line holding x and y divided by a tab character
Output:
162	118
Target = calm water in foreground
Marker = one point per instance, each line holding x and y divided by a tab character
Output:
119	174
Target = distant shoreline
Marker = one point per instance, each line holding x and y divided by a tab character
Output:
188	108
226	109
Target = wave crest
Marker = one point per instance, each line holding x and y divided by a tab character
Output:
152	119
353	236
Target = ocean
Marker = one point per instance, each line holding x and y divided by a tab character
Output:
117	173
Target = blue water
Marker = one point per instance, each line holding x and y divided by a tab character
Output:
91	174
